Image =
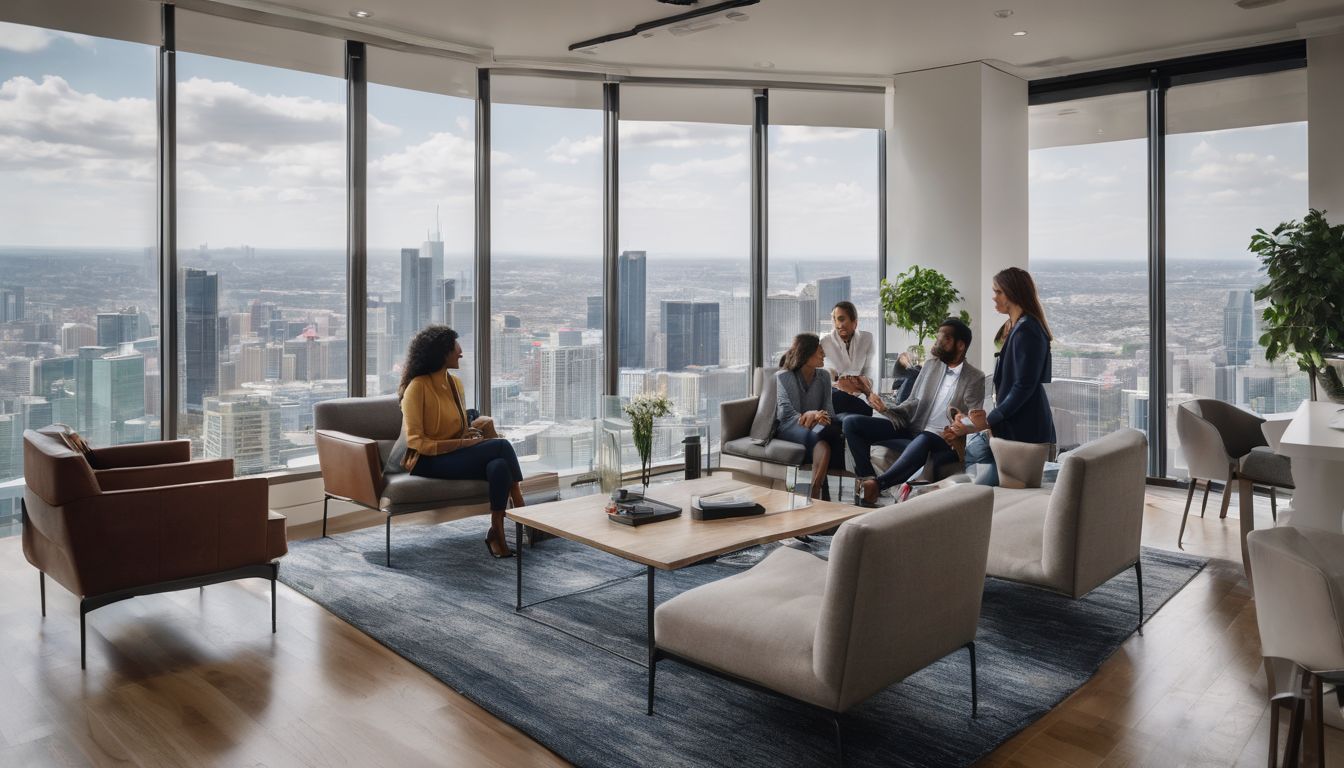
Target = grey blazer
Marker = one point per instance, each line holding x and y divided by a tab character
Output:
914	413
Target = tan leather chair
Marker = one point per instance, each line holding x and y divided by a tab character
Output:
1083	531
1299	607
832	634
1221	442
141	519
354	437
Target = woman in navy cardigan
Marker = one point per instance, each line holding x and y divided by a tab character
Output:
1021	369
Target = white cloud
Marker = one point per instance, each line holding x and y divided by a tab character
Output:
217	111
569	151
24	39
698	168
806	134
443	163
52	112
1204	151
664	135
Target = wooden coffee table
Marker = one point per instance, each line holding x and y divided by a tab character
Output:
682	541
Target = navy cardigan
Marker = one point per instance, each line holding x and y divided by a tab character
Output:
1021	368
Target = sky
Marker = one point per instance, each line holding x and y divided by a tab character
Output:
261	158
261	162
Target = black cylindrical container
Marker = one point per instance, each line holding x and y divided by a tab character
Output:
692	450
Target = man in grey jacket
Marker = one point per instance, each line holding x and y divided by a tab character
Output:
915	427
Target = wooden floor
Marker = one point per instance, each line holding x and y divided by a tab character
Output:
196	678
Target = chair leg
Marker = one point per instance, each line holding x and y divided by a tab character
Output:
1189	497
1292	749
1274	733
975	691
42	588
389	541
325	500
83	611
1204	504
1317	720
1274	503
275	572
653	669
1227	493
839	740
1138	577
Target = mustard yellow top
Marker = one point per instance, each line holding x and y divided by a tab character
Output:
435	421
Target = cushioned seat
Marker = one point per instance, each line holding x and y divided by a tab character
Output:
1262	465
776	451
405	490
1018	536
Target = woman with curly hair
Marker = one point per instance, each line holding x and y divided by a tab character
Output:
440	440
805	411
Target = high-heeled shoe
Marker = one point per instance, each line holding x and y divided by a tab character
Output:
490	545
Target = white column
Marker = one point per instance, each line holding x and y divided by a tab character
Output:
1325	125
957	184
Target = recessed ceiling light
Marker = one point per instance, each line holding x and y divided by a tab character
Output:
1020	33
360	13
1003	14
765	64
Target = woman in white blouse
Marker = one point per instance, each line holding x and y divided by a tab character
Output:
849	354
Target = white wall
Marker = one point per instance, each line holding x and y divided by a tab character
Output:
1325	125
957	183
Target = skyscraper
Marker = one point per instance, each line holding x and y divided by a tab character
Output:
690	331
11	303
595	312
1239	327
117	327
630	281
432	249
117	396
417	293
200	337
84	384
830	291
248	430
571	378
787	316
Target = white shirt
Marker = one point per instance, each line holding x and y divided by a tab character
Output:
853	359
938	416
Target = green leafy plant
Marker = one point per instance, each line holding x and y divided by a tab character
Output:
642	410
1304	320
918	300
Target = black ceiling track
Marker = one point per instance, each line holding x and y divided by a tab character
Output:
708	10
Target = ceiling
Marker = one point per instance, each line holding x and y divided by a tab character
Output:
842	38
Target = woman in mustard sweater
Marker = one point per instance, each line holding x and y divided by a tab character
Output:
441	442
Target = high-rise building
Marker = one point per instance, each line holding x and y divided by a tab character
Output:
200	337
787	316
631	283
596	309
461	316
117	327
417	293
11	303
830	291
432	249
571	378
1239	327
53	376
84	385
246	430
76	335
117	396
690	331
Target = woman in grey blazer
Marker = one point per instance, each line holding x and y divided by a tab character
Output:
804	409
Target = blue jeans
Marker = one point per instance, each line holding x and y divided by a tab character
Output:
808	438
863	432
977	452
847	405
491	460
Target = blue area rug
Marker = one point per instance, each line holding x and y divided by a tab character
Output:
447	607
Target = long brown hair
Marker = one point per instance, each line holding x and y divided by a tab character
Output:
804	347
1020	289
426	353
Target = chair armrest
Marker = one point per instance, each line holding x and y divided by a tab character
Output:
141	454
351	467
129	538
180	473
735	417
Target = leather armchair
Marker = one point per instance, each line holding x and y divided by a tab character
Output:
142	519
355	437
832	634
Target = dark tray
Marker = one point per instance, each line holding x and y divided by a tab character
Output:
723	513
662	511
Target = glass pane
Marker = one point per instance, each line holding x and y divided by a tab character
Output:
79	298
546	357
261	239
1233	165
1088	184
421	204
823	233
685	198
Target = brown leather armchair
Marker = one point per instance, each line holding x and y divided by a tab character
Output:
354	437
142	519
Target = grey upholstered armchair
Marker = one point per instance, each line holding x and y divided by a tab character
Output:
1083	531
832	634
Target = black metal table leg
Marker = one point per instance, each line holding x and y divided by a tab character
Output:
518	537
649	624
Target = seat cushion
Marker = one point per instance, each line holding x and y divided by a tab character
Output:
276	545
760	625
409	493
1263	465
1017	537
775	452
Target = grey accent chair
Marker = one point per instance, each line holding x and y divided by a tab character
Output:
354	437
902	589
1299	607
1083	531
1223	442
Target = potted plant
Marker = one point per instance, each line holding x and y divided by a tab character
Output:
918	300
1304	320
642	410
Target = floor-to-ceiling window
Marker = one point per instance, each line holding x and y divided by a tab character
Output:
823	214
1088	182
421	208
79	299
546	356
1236	160
261	221
685	240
